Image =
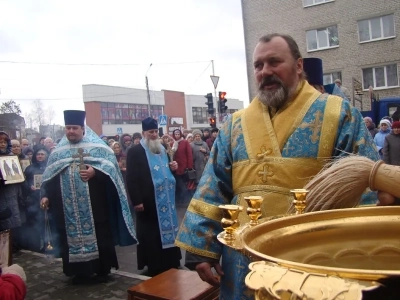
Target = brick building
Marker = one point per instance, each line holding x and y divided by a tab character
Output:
356	39
112	110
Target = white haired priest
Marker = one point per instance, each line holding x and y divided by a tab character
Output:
84	193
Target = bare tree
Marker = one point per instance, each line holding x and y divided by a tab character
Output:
50	114
39	113
10	107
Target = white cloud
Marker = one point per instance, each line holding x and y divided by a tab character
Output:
105	32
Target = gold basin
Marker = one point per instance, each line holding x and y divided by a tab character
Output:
357	243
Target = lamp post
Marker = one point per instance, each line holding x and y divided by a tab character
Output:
148	91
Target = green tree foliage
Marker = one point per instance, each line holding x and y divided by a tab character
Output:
10	107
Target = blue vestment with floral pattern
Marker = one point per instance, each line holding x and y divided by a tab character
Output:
79	223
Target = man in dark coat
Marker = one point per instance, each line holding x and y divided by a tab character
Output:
151	187
84	191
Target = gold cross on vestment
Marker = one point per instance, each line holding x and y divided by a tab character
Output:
265	173
81	155
314	126
264	152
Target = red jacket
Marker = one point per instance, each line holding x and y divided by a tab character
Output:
184	157
12	287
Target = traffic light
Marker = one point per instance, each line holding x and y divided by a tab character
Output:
213	122
221	102
210	103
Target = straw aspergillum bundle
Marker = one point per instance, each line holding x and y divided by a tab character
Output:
341	183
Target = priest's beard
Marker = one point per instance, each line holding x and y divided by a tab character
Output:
274	98
154	146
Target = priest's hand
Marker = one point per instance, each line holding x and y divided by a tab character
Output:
205	273
173	165
87	174
385	199
44	203
139	207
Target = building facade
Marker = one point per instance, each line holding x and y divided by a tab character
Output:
112	110
357	40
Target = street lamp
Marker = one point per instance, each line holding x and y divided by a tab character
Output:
148	91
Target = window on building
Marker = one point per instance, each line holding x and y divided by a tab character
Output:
331	77
376	28
200	115
122	113
307	3
381	77
323	38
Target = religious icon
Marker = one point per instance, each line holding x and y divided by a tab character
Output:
24	164
11	170
37	181
5	249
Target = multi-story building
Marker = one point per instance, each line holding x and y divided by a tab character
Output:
112	110
356	39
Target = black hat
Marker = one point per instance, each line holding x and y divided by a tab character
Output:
214	130
74	117
312	66
149	124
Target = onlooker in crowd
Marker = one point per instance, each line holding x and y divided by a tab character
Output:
16	149
136	138
200	154
210	141
28	152
24	143
49	144
344	90
33	229
391	147
9	194
184	157
371	126
166	141
206	134
104	138
189	138
151	187
110	142
125	142
379	139
40	144
185	133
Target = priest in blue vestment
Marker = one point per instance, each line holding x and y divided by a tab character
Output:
283	138
151	187
83	190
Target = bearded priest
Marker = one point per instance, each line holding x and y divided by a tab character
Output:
151	187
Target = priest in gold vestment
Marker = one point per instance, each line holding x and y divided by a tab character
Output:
276	144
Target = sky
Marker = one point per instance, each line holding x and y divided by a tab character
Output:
56	46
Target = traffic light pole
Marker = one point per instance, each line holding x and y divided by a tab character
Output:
215	98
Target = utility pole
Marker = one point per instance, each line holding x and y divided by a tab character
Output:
148	92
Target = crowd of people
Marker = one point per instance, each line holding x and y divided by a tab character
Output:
94	187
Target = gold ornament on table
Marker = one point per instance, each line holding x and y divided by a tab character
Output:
230	223
254	209
299	201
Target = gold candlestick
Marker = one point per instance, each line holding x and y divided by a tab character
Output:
254	209
230	222
299	201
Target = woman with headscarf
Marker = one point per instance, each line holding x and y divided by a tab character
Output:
10	194
184	157
33	229
28	152
200	154
384	130
189	138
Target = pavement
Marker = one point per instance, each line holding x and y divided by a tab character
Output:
45	279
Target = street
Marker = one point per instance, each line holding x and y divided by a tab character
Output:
45	279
